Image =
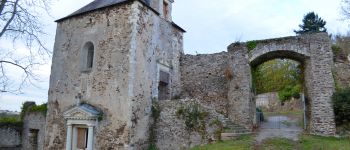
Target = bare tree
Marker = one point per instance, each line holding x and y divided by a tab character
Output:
22	49
345	9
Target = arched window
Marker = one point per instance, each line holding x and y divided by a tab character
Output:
87	57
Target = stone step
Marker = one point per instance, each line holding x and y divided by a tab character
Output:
231	136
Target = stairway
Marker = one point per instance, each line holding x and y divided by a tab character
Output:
232	130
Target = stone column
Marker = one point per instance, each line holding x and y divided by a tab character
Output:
90	143
69	137
75	137
241	104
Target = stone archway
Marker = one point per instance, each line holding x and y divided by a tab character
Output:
313	51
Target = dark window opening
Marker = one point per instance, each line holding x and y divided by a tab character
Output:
163	87
90	57
87	57
33	138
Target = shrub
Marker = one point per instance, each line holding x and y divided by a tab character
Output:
341	104
251	45
11	121
193	117
288	92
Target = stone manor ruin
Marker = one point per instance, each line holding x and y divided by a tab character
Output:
117	61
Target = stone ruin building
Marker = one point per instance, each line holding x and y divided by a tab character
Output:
115	60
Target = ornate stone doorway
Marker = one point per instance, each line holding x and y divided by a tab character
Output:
81	122
312	50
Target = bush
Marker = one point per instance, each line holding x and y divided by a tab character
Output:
341	104
193	116
288	92
12	121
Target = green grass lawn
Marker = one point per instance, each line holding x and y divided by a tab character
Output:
307	142
242	143
277	144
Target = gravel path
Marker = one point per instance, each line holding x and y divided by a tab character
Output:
279	127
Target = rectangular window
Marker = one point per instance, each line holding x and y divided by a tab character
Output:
33	138
163	87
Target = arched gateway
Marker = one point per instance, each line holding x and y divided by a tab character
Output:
313	51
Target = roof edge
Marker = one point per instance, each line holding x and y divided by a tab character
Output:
122	3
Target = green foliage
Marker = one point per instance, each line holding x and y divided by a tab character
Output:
336	49
193	116
38	108
219	130
155	109
251	45
288	92
311	24
275	75
11	121
341	104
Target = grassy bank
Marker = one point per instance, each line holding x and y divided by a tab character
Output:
306	142
242	143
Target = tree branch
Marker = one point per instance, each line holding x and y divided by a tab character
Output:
10	20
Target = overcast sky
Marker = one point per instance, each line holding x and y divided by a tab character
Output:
211	26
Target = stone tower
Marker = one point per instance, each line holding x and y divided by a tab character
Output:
112	58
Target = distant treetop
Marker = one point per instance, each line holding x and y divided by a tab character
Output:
311	24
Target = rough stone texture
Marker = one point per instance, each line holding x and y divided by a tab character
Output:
33	121
171	131
10	138
203	77
342	74
240	96
313	51
130	40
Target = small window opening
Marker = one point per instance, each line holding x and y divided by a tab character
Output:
33	138
87	57
163	87
165	9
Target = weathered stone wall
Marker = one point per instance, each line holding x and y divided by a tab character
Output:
156	44
33	121
106	86
320	84
313	51
240	96
10	138
130	42
171	132
203	77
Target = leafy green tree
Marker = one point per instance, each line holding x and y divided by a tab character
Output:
276	75
341	104
311	24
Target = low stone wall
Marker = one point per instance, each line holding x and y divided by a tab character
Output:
10	138
270	103
203	77
171	130
34	130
